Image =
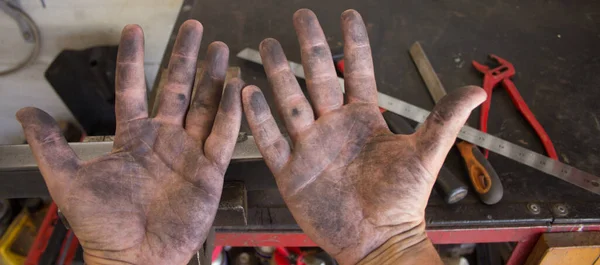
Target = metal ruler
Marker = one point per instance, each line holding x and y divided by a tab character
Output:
499	146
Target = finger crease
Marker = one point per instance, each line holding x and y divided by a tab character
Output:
327	108
293	99
357	45
314	45
259	123
175	87
181	55
277	71
213	77
51	138
271	143
327	77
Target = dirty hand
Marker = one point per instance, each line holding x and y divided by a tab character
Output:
153	199
350	183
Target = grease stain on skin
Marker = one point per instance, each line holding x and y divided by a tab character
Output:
295	112
30	115
352	22
319	52
41	129
181	70
231	95
208	93
258	103
217	60
272	53
188	38
142	106
447	109
307	24
129	47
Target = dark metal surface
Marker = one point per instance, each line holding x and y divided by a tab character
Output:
85	82
233	207
551	43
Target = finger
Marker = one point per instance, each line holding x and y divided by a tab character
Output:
174	95
130	85
55	158
321	79
271	144
359	78
208	92
222	139
291	102
438	133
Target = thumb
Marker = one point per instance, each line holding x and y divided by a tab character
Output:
438	133
55	158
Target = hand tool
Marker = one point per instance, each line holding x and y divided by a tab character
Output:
29	31
482	175
499	146
447	184
502	74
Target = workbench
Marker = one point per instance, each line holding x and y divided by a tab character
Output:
553	46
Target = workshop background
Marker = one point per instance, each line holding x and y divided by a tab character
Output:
534	217
72	25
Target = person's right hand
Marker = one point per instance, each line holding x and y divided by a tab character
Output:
350	183
153	198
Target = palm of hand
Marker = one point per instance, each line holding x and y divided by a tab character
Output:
151	195
363	182
348	181
153	199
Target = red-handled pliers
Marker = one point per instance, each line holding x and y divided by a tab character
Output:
503	73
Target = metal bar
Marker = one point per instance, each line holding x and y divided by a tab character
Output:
433	83
522	250
19	157
437	236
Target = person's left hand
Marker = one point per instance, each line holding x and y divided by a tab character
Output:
153	199
350	183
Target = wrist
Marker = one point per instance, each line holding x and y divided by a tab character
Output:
95	260
401	236
103	258
412	248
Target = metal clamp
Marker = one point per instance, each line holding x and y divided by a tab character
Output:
14	10
29	31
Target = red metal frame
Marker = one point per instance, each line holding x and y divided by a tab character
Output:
44	233
525	236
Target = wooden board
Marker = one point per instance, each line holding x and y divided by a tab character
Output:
582	248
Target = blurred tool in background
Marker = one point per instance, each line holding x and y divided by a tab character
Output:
29	31
483	177
502	74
